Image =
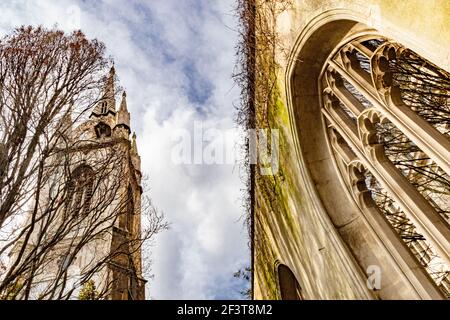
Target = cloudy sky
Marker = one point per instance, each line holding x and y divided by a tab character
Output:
175	59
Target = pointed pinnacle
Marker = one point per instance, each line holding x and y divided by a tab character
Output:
123	104
133	143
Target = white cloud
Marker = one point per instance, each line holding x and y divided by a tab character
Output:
175	59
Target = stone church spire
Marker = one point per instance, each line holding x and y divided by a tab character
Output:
107	103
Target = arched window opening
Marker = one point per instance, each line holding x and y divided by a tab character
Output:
102	130
80	191
289	286
388	114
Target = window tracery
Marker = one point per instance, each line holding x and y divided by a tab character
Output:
80	191
387	113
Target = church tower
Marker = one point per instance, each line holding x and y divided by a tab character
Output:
94	227
112	128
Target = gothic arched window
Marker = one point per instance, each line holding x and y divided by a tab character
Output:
288	284
104	107
80	191
387	113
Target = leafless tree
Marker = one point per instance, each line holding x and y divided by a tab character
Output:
55	205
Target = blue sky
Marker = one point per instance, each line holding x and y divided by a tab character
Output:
175	59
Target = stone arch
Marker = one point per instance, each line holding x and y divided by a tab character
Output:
352	231
102	130
288	285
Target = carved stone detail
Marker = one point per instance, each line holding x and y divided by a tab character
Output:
369	136
357	178
382	75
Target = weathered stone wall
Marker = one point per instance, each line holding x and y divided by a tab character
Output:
291	226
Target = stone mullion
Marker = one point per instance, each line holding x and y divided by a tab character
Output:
343	125
417	129
348	135
338	89
342	152
363	50
341	148
420	210
417	208
358	78
400	254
